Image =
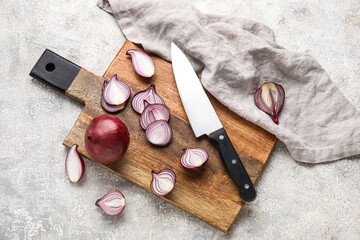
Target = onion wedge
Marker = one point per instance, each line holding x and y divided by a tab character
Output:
116	92
112	203
269	98
162	182
194	158
142	63
153	112
74	164
149	95
159	133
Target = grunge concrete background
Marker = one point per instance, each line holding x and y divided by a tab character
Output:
295	201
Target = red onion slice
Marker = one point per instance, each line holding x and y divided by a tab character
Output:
153	112
159	133
162	182
194	158
112	203
74	164
116	92
142	63
149	95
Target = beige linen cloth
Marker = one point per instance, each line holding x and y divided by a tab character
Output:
234	56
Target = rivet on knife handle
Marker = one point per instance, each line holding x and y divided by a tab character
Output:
234	165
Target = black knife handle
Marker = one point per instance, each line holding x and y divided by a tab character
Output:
234	165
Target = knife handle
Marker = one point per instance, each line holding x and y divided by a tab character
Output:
234	165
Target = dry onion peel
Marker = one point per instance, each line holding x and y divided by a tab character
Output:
270	99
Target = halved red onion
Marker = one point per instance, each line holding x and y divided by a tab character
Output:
162	182
142	63
153	112
159	133
74	164
194	158
149	95
112	203
116	92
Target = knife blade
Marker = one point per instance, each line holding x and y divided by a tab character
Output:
204	120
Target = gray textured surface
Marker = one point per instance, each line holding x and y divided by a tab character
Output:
295	201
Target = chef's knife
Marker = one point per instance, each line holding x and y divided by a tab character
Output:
204	120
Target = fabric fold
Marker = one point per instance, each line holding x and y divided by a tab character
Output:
234	56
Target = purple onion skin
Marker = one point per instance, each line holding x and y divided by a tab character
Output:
106	139
105	83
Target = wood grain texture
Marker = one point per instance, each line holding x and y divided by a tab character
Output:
208	193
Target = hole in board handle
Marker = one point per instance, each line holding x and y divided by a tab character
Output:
50	67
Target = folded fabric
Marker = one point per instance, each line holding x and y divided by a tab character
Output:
234	56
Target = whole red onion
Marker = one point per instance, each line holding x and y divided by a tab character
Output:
106	139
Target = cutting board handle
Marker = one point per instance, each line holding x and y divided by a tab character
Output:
69	78
55	70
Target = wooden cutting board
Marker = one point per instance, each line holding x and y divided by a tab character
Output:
209	193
